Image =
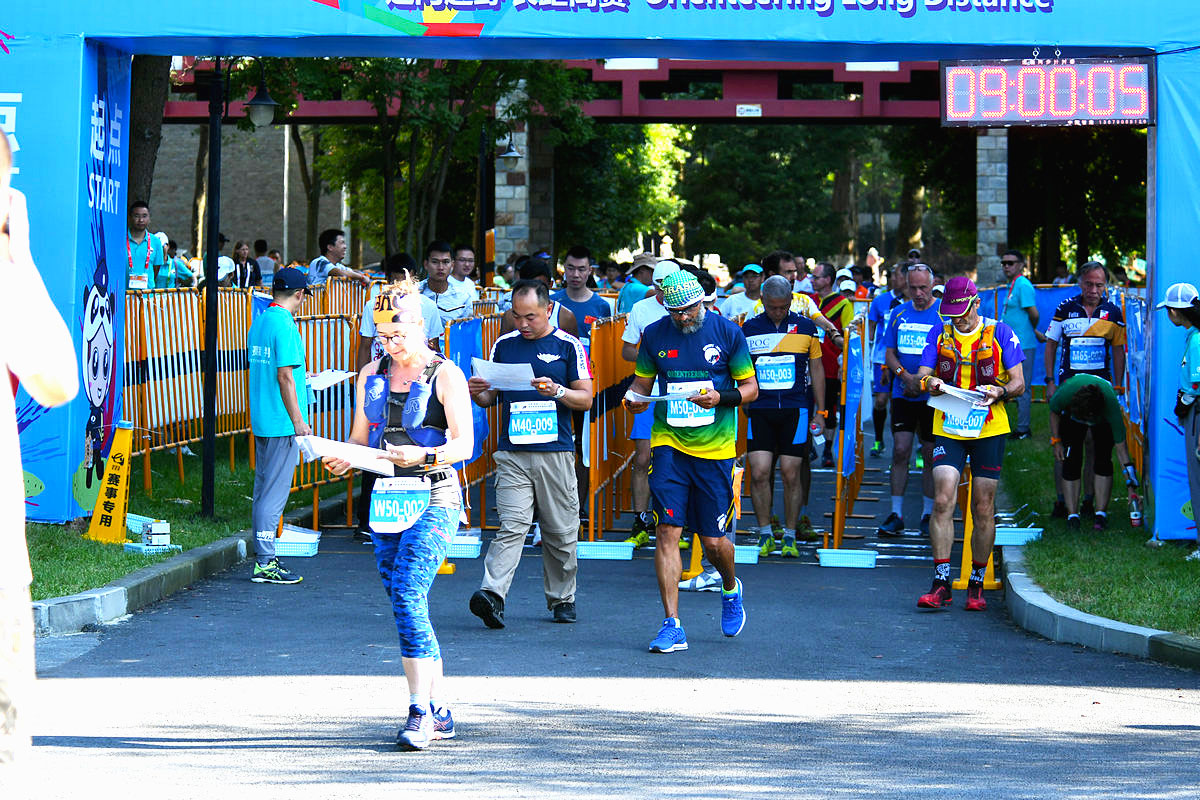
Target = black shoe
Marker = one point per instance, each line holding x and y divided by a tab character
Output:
925	525
564	612
489	607
1060	510
827	461
363	536
892	526
1072	523
1088	508
1100	523
1019	435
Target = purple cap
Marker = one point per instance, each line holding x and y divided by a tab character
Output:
957	297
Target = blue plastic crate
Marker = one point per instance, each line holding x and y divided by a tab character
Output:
861	559
611	551
1016	536
745	554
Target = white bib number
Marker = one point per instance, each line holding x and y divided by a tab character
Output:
397	503
775	373
533	422
1087	353
967	425
685	413
911	338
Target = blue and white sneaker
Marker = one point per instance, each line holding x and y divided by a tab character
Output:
670	638
733	615
443	725
417	732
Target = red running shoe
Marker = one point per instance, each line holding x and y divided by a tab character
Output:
975	601
939	597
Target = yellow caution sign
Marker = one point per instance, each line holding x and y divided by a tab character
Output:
108	517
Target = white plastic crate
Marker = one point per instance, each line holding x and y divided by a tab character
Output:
297	542
861	559
1016	536
151	549
611	551
464	547
745	554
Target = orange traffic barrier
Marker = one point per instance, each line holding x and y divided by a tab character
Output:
610	450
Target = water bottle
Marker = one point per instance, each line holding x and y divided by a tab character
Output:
1135	511
818	434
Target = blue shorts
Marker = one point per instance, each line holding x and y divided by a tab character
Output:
881	379
694	493
642	423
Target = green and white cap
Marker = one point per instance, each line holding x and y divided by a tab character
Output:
681	289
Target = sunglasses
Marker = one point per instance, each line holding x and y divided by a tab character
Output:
683	312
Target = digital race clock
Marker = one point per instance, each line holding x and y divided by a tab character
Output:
1072	91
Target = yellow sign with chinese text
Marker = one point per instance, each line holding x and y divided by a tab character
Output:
108	517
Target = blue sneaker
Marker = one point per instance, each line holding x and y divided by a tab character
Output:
443	726
417	732
733	615
670	638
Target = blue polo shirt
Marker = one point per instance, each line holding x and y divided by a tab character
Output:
586	312
274	342
530	420
907	332
144	268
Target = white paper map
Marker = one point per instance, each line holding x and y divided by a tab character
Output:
364	458
330	377
505	377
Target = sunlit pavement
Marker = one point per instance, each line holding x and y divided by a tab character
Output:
838	686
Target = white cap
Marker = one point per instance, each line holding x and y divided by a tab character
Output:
162	237
1179	295
847	286
844	272
939	289
664	268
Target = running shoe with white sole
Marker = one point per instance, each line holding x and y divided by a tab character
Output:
274	572
670	638
417	732
709	581
733	613
443	724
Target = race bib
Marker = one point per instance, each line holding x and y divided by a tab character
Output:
685	413
533	422
138	281
1087	353
397	503
911	338
966	425
775	373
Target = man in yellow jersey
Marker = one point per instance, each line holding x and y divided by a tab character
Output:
974	353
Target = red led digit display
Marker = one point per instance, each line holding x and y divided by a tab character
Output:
1077	91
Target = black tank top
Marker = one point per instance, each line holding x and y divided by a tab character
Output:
444	491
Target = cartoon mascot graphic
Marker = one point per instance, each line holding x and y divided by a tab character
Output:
99	308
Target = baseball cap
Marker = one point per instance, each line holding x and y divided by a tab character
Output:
844	274
847	285
289	278
960	291
663	269
1179	295
752	268
162	237
681	289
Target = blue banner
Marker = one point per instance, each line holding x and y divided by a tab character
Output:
464	341
854	395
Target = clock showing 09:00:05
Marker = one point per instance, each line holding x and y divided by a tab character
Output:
1074	91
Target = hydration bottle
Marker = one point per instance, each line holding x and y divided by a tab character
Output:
818	433
1135	510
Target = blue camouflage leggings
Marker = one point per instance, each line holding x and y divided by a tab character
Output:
408	563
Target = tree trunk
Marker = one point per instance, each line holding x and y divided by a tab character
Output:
150	81
391	240
199	190
844	203
311	179
410	233
912	209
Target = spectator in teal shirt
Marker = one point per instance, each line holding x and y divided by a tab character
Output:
278	414
143	251
1021	314
640	279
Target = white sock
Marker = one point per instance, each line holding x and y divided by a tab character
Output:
898	505
926	506
418	701
765	530
788	533
1102	514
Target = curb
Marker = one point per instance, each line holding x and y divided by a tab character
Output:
148	585
1035	611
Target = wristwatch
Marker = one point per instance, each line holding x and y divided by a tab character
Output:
431	458
559	392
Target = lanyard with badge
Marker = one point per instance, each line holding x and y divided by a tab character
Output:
139	281
397	503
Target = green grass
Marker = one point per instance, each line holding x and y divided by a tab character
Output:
65	563
1109	573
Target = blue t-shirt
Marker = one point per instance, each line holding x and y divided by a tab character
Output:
145	266
630	293
781	355
907	332
879	313
586	312
1021	295
530	420
274	342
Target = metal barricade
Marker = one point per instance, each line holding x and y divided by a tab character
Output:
345	296
610	451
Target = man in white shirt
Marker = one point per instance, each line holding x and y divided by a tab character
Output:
451	303
743	302
329	264
460	273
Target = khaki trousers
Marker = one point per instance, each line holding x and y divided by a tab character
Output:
521	477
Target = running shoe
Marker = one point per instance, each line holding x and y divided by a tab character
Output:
1192	556
827	461
939	597
892	526
1059	511
639	538
443	724
670	638
805	531
564	612
1100	523
776	527
685	540
535	531
877	450
733	613
489	607
920	461
766	545
709	581
417	732
1021	435
925	525
1073	522
975	601
273	572
789	549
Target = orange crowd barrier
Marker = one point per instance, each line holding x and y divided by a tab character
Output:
610	450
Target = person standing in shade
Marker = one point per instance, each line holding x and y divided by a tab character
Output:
266	264
881	377
840	311
735	305
414	404
329	264
976	353
1021	314
1183	310
787	356
278	414
535	459
144	252
245	270
693	442
464	266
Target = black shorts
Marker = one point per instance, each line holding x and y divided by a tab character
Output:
782	431
1073	435
986	454
833	400
912	416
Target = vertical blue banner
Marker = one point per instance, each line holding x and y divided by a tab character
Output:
854	396
464	341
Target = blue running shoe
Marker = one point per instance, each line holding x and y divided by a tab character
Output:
733	615
670	638
443	725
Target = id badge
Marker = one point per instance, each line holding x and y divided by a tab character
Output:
685	413
397	503
138	282
533	422
775	373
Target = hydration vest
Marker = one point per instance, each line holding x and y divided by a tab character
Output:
984	359
378	398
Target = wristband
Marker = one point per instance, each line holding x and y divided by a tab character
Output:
899	370
729	397
823	413
925	383
1055	440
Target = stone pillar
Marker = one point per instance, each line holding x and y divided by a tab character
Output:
991	203
541	193
512	199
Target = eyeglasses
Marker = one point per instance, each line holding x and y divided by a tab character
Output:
394	338
918	267
686	310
